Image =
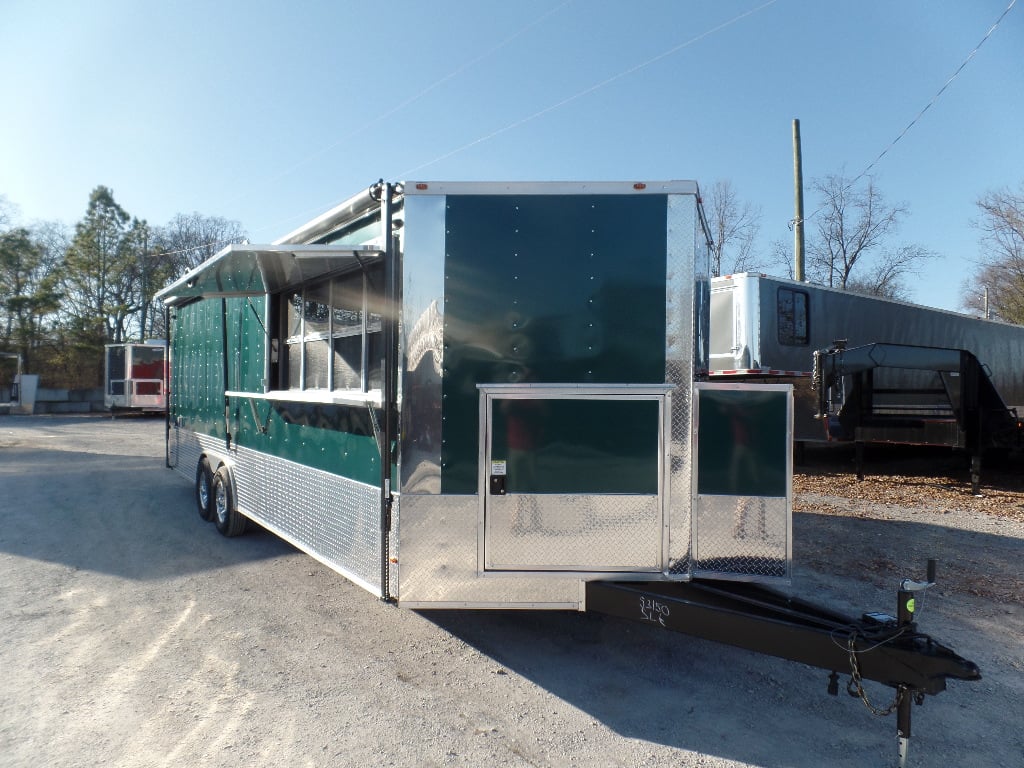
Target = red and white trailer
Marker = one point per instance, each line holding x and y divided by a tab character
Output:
135	377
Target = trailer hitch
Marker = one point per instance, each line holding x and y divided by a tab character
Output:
878	647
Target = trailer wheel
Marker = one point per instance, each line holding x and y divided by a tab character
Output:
204	489
229	521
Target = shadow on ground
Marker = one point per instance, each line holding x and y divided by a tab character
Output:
945	467
122	515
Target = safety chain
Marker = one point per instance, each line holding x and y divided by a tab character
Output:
856	688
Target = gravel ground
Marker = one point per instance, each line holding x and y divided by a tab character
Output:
134	635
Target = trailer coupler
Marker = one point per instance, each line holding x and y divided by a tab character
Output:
886	649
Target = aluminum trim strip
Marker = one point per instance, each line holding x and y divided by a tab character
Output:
322	396
412	188
683	234
570	390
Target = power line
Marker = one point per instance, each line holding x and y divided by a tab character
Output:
927	107
574	97
939	93
918	116
383	116
419	95
587	91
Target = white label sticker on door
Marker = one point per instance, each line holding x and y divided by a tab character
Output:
499	468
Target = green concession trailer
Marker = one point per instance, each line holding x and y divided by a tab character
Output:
493	395
480	395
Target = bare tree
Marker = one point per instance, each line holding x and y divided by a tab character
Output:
734	227
849	248
8	213
184	243
1001	267
190	239
779	260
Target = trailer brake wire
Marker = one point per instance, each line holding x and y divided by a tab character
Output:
855	686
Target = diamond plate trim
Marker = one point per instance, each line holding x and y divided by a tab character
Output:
742	536
332	518
572	532
187	451
438	563
679	351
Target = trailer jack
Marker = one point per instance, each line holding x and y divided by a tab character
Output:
885	649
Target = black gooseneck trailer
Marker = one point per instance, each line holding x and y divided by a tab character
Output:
938	396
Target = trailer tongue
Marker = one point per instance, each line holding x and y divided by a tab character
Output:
886	649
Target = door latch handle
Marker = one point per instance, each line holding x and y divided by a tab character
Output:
497	485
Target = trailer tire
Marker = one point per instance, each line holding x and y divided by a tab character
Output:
204	489
229	521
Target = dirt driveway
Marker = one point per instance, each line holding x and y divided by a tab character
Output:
131	634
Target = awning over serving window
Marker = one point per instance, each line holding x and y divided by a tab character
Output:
252	270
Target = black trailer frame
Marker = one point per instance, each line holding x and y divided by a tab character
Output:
886	649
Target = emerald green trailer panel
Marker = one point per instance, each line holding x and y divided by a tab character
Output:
334	438
538	395
548	289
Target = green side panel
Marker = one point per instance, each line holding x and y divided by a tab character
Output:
742	443
546	288
196	369
334	438
246	343
577	446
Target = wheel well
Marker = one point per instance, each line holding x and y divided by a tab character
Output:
217	461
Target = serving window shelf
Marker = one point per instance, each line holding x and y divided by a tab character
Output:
321	396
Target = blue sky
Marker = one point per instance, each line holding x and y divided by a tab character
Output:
270	112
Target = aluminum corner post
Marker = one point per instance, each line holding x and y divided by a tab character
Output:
389	431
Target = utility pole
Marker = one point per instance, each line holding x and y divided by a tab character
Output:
144	292
798	200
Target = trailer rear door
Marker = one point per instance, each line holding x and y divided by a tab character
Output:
723	346
572	478
743	489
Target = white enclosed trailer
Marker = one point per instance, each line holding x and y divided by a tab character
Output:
767	329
